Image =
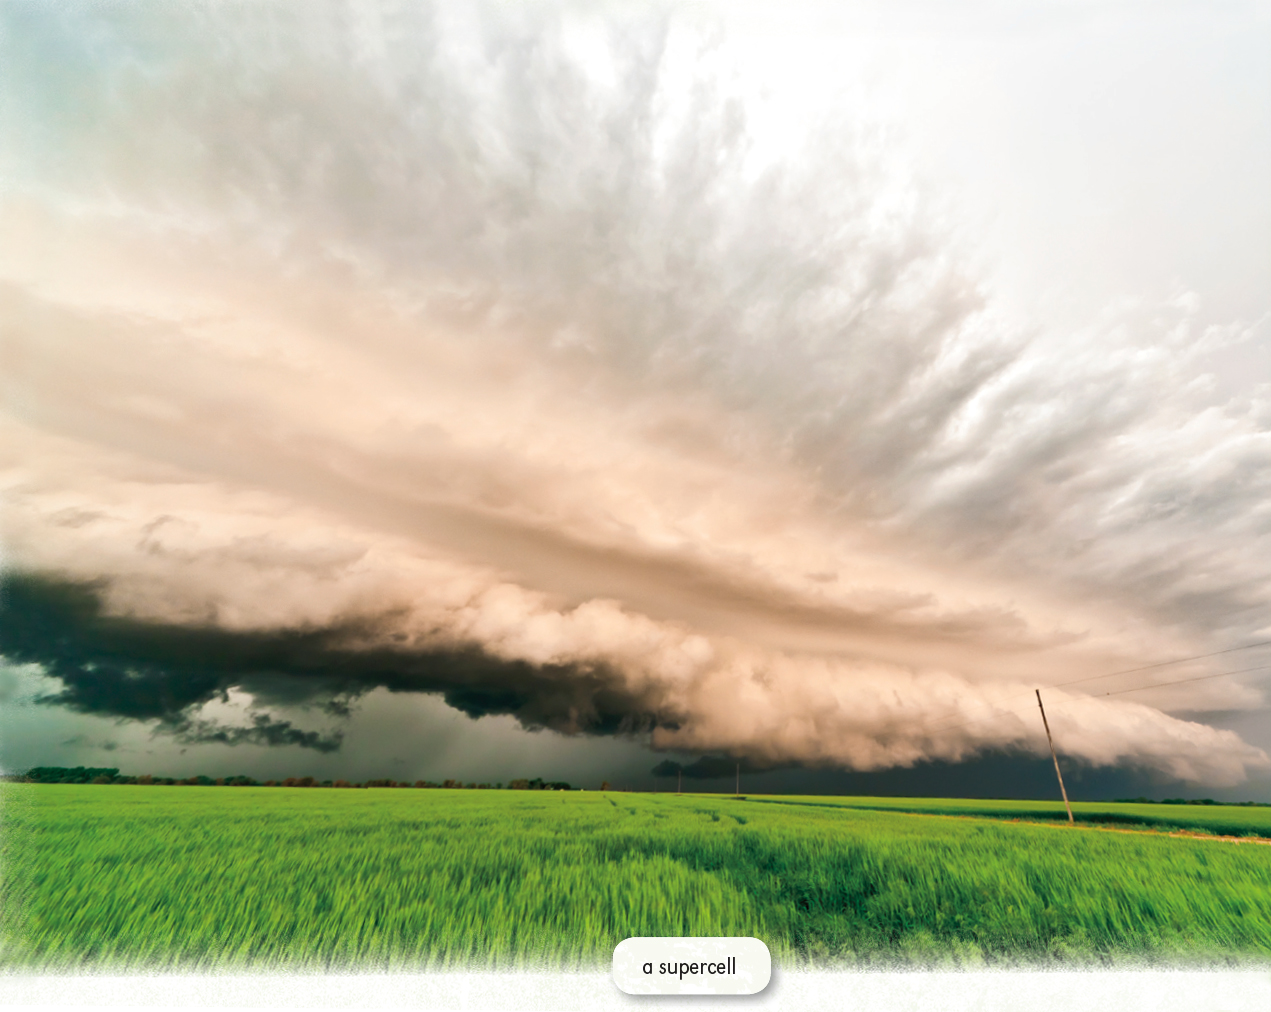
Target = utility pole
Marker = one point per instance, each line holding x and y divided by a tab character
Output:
1051	742
679	789
739	780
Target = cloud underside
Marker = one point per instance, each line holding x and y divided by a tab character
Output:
499	354
120	667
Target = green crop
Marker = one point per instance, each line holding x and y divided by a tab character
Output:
193	878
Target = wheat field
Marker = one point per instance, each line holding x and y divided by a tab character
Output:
190	878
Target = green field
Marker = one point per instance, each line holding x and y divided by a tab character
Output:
114	877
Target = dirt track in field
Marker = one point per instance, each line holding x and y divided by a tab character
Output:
1183	834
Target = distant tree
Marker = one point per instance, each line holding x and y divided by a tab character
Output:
69	775
95	775
605	786
538	784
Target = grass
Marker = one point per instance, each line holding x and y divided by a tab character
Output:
117	877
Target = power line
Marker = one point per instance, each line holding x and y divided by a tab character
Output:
1162	664
1118	692
1112	674
1177	681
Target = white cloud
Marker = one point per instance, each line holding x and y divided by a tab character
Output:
441	326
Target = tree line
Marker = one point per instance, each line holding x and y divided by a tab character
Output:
1194	801
102	775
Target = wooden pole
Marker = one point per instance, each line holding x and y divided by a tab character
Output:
680	783
1051	742
739	780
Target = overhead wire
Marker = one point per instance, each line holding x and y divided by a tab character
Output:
1162	664
1158	685
1136	688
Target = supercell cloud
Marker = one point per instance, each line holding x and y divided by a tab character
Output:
498	353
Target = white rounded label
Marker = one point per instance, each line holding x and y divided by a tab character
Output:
691	965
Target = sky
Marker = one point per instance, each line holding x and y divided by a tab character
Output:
595	392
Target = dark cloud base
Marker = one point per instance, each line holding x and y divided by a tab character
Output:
991	775
709	768
120	667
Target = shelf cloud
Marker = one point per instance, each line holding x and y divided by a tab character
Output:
492	353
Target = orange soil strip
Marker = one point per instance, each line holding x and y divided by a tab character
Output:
1186	834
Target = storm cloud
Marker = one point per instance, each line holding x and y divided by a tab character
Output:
118	667
496	352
